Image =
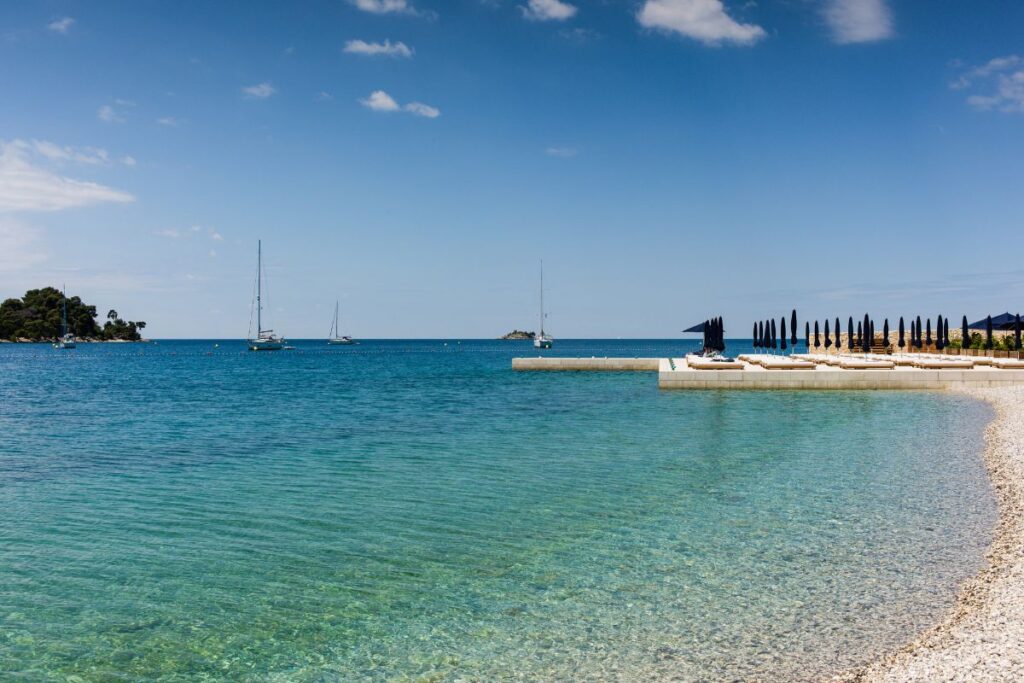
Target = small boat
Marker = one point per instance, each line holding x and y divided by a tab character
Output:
67	340
542	340
334	338
265	340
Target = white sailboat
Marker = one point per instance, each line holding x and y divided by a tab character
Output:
67	340
265	340
542	341
335	338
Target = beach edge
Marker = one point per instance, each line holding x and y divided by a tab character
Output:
981	637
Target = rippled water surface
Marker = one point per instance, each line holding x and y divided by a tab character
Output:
414	511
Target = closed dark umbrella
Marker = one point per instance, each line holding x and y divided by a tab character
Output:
754	336
917	328
901	342
775	337
1016	332
945	332
849	333
807	334
760	332
782	333
817	339
938	334
928	332
767	335
885	332
839	335
965	335
860	334
869	335
988	332
828	339
792	329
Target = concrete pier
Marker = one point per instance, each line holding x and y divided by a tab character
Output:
674	373
606	364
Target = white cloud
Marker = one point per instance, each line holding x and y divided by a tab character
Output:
260	91
1003	81
562	152
385	6
168	121
91	156
548	10
420	109
27	186
109	114
380	101
62	25
19	246
216	236
386	49
703	20
323	96
994	65
858	21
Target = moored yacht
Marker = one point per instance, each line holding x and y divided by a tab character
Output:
542	340
67	340
265	340
334	338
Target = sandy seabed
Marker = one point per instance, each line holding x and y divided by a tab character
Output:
982	638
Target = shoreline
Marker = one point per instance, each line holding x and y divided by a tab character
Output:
981	637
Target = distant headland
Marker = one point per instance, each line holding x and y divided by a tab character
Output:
36	317
518	334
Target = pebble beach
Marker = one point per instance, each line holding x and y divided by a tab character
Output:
982	637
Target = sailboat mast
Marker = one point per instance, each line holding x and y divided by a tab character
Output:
64	314
542	297
259	287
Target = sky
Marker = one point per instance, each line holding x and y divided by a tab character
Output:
669	160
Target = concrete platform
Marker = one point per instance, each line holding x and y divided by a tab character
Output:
674	373
605	364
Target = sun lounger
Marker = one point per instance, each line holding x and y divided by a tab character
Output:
1009	364
866	364
942	364
785	364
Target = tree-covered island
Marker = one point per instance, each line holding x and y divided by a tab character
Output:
518	334
36	317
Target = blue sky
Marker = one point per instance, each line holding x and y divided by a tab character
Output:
668	159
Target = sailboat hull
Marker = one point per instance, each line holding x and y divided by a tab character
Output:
542	343
343	341
265	345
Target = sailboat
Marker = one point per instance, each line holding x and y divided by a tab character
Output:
542	341
335	338
67	340
265	340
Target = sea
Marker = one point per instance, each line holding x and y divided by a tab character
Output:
414	510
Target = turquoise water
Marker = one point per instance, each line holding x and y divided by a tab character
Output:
410	511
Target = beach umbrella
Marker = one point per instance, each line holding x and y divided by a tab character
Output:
817	339
767	335
849	333
754	336
885	332
928	332
839	334
869	335
965	334
1016	332
945	332
988	332
775	337
902	342
792	329
721	334
761	334
917	330
860	335
828	340
938	333
807	334
782	333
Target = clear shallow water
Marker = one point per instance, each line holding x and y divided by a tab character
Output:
413	511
